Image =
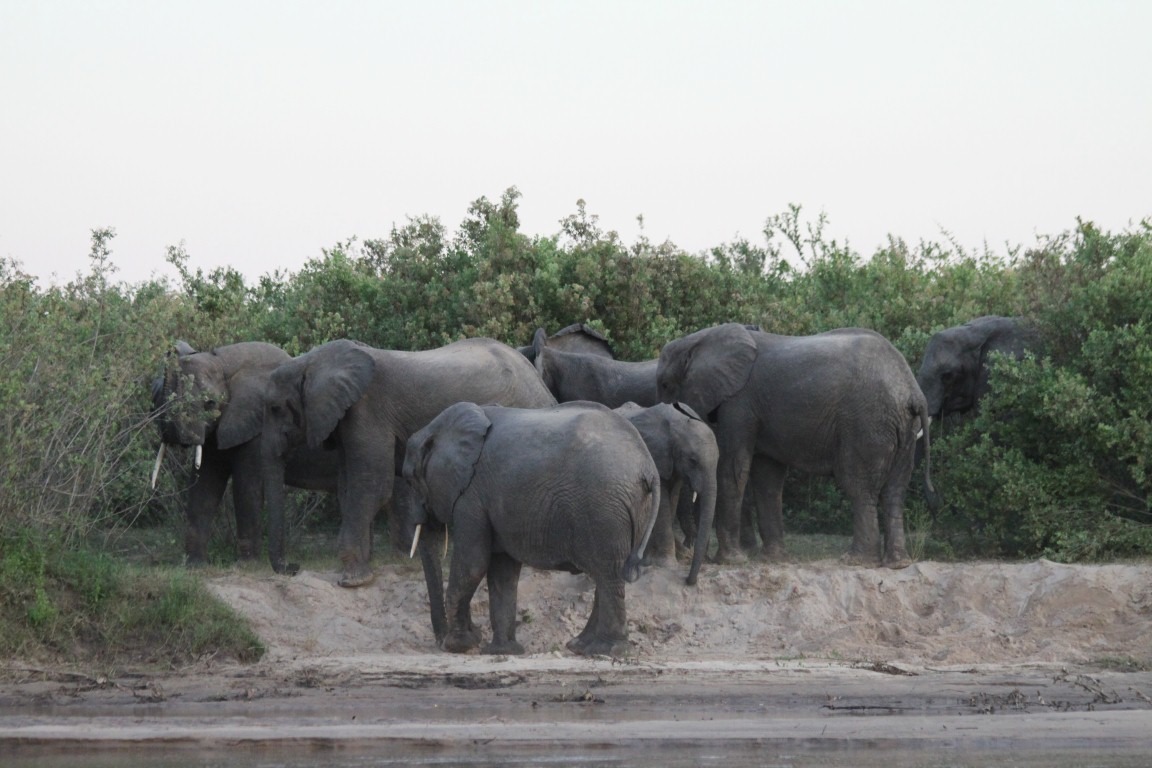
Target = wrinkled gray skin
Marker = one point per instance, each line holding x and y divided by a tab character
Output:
954	373
842	403
569	488
685	452
577	337
365	403
216	400
574	376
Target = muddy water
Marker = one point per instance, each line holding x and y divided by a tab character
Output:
587	715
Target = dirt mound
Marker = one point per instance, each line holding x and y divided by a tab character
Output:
930	613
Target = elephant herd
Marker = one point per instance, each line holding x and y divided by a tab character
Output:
561	457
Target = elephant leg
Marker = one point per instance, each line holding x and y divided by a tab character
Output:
866	545
606	633
503	581
731	481
766	490
892	513
363	489
688	516
470	559
204	498
248	500
749	517
661	550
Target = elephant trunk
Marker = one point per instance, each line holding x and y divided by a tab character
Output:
274	501
705	487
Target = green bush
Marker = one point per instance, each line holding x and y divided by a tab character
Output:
1056	463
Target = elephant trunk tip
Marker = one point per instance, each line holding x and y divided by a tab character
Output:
631	570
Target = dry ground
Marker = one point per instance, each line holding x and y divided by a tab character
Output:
754	655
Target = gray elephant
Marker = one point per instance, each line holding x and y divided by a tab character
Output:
214	402
365	403
568	488
842	403
685	452
574	376
577	337
954	372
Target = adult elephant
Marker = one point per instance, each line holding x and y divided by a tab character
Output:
842	403
577	337
214	402
568	488
364	403
575	376
954	372
685	452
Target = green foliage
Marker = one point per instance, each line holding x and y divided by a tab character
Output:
1058	462
78	604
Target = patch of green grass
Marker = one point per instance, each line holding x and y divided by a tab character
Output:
1123	664
79	605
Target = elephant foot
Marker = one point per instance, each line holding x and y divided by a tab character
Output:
356	576
774	554
506	648
461	642
730	557
660	561
597	647
896	562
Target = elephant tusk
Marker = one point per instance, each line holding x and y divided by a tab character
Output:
415	541
156	467
920	434
445	546
199	455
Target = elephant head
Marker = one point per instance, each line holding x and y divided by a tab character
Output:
705	368
305	401
447	451
213	398
954	373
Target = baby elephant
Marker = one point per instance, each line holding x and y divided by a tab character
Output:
569	488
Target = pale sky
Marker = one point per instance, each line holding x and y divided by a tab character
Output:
258	133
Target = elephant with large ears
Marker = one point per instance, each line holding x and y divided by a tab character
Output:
577	337
842	403
685	452
365	403
213	402
569	488
954	372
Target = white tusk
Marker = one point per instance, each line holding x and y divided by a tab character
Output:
445	545
920	434
199	455
695	496
415	541
156	467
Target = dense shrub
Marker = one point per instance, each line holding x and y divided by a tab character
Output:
1057	462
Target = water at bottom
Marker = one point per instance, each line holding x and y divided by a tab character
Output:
864	755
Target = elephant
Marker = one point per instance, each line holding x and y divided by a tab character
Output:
364	403
569	488
954	372
842	403
685	451
214	401
575	376
577	337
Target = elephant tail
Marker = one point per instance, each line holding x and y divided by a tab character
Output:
642	526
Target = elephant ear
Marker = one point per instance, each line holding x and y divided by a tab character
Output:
716	366
242	417
446	459
335	378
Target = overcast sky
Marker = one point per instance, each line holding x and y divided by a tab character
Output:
258	133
